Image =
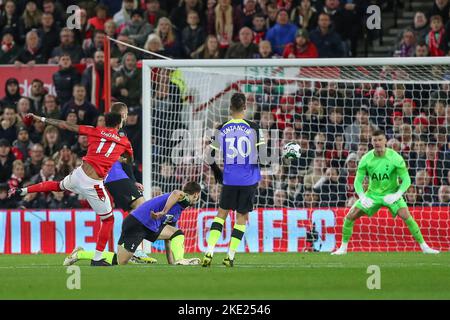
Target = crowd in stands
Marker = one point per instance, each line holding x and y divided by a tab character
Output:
428	33
332	121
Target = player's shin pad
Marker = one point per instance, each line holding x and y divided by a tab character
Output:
215	232
85	255
109	257
177	245
236	236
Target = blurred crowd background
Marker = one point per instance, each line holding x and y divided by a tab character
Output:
331	121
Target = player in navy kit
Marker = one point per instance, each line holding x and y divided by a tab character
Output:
238	140
155	219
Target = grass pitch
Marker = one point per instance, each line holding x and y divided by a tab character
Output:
255	276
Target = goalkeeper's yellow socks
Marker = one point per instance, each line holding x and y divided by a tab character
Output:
109	257
236	237
177	245
414	229
214	234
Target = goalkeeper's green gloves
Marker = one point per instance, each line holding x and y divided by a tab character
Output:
366	202
393	197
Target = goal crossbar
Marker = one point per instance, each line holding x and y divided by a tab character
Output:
335	62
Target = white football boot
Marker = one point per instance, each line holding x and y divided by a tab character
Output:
72	258
427	250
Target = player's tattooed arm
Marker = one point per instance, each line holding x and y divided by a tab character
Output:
57	123
175	197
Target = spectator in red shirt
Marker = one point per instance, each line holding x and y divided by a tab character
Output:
302	47
284	114
421	124
101	16
437	39
18	174
23	143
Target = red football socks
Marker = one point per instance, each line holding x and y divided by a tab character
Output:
104	233
46	186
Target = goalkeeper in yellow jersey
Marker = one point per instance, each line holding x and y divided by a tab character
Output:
383	166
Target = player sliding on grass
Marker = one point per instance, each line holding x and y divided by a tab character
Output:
154	220
105	146
238	140
383	166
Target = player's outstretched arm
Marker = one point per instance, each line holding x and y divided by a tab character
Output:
54	122
175	196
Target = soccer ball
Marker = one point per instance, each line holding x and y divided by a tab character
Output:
291	150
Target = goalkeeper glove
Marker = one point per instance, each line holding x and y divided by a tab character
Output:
393	197
366	202
218	174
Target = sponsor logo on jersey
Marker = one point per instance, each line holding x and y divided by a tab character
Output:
380	177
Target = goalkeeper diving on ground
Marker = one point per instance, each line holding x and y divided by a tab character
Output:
153	220
384	167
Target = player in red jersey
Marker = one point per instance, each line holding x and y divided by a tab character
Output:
105	146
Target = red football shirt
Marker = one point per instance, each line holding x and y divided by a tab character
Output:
105	146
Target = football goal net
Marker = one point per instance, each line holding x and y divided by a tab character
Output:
329	107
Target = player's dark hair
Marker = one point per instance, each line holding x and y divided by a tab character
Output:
378	133
237	102
113	119
192	187
116	107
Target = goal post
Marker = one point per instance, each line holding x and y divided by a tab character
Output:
317	103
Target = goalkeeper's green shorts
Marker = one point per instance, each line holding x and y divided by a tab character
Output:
378	203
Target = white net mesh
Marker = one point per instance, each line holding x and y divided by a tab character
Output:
330	112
